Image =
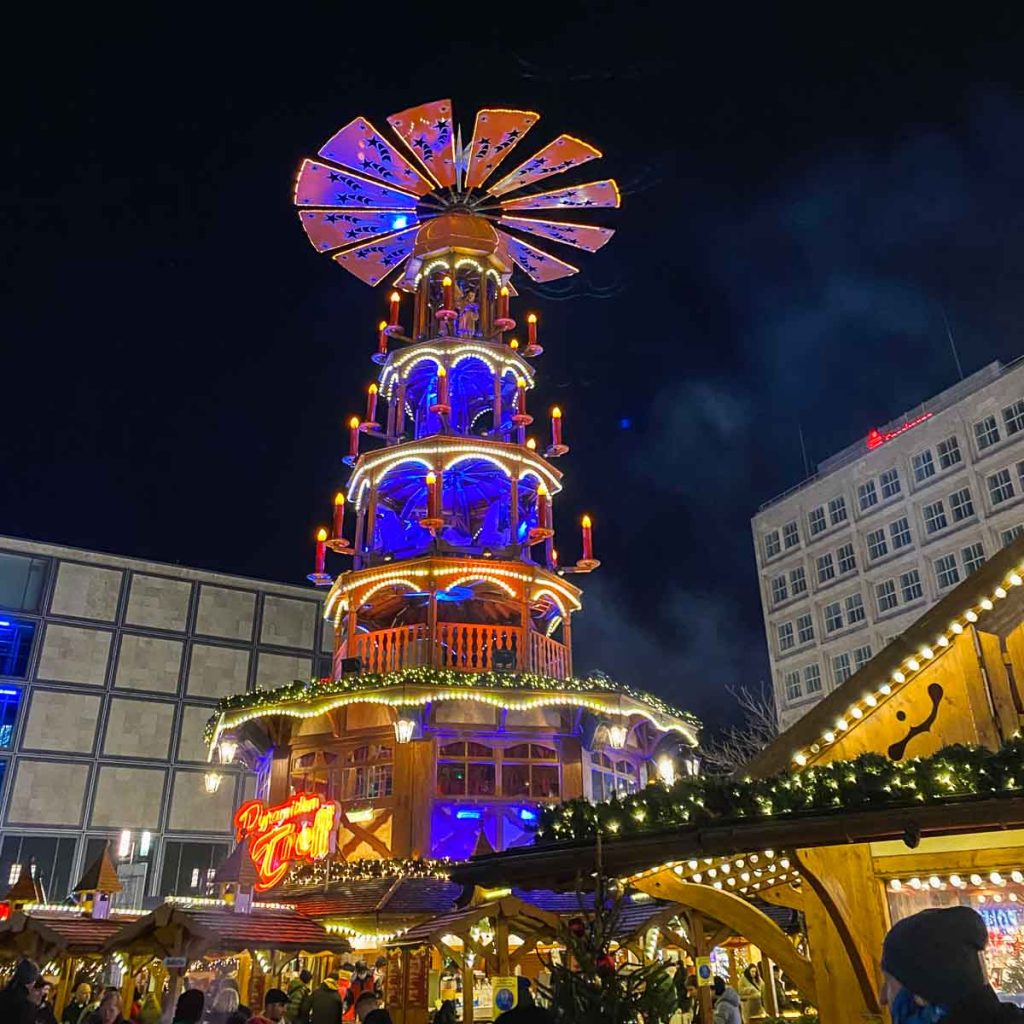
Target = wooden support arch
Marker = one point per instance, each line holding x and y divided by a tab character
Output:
742	918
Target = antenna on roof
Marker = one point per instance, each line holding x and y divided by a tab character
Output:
803	450
952	343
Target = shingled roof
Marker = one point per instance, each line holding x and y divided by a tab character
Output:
238	868
100	876
406	897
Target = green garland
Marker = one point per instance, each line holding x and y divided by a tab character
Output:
319	873
869	781
443	678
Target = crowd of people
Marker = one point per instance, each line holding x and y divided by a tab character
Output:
932	964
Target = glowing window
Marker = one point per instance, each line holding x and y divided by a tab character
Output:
16	637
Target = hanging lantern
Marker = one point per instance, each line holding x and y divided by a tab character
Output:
212	781
666	770
405	728
617	733
227	749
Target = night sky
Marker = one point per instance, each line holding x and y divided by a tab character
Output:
803	196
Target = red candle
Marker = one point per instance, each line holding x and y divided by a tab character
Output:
543	506
382	338
556	426
353	436
371	404
442	386
521	396
531	327
394	308
503	303
554	558
321	550
432	492
339	515
446	284
588	540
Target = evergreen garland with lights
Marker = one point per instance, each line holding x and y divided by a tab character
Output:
321	872
442	678
867	782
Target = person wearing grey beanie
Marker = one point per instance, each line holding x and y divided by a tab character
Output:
933	971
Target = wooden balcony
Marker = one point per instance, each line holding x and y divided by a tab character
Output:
461	646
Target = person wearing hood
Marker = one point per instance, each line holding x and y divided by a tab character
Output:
933	970
325	1003
727	1003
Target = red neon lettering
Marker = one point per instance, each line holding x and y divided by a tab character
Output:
876	438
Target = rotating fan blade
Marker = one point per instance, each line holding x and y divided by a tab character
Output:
360	147
373	261
592	195
336	229
495	134
563	154
427	131
320	185
583	236
541	266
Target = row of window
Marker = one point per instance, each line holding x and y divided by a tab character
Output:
837	615
806	681
924	464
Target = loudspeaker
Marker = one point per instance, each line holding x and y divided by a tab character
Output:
350	665
503	660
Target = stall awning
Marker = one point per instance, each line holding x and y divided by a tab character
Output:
401	897
43	936
522	918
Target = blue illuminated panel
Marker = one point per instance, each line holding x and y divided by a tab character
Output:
16	637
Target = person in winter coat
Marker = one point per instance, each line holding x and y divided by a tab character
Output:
727	1004
298	998
362	981
325	1003
751	992
189	1008
932	970
20	999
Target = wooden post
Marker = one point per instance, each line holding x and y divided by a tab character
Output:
501	943
422	313
467	990
567	641
770	994
67	978
127	989
400	411
245	977
371	521
700	948
360	530
497	403
432	625
513	513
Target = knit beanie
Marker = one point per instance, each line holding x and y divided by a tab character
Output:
934	954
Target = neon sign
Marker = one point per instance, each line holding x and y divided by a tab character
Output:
304	828
876	438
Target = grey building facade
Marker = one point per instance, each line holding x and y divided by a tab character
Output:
110	668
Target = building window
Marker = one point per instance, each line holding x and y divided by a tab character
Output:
973	558
986	433
847	560
467	769
833	617
21	582
877	548
899	533
812	678
10	701
826	568
890	483
961	505
924	465
910	586
189	867
837	510
772	545
786	638
780	591
934	517
946	572
790	535
854	609
805	629
798	581
867	495
841	670
1000	487
1020	474
861	656
48	857
1007	537
1013	417
794	691
16	636
530	769
609	778
886	594
816	520
949	452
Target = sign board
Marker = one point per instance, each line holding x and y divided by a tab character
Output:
705	975
504	993
175	961
303	828
417	978
394	980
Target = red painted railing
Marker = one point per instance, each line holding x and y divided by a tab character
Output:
463	646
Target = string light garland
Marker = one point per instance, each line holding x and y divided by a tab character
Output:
869	781
318	873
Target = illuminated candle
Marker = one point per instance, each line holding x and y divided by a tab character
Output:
513	344
442	386
394	308
554	557
371	404
531	443
542	506
353	436
321	550
588	540
382	338
521	396
446	284
339	515
556	427
503	303
432	489
531	326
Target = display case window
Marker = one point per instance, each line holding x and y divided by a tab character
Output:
480	766
609	777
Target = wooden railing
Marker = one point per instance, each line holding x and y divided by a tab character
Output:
462	646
